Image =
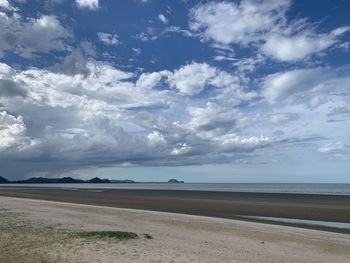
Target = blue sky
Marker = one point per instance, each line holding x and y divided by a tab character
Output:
205	91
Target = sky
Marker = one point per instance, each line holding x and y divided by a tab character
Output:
253	91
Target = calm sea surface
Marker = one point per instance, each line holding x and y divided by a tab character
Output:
332	189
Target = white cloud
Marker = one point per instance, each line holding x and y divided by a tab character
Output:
5	70
137	51
191	79
299	46
151	33
281	85
181	149
155	138
245	22
211	121
176	29
333	148
232	90
220	126
104	116
34	35
90	95
12	131
233	141
108	39
90	4
163	19
149	80
146	36
279	118
6	5
262	25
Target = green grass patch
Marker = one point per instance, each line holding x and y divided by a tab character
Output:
120	235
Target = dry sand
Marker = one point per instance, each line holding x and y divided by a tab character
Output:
176	237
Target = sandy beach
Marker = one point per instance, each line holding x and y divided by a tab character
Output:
175	237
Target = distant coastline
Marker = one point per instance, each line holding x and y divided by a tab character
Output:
70	180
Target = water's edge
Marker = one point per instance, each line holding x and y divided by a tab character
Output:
326	189
301	221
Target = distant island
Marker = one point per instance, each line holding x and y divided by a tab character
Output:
174	181
70	180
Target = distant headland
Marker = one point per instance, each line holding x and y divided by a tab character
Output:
70	180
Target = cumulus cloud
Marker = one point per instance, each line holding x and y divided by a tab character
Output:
191	79
150	80
106	116
5	70
12	131
180	149
156	137
73	64
261	24
211	120
89	4
33	35
6	5
108	39
219	126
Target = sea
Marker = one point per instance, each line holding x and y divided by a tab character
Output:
295	188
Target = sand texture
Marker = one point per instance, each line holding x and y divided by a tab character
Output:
36	231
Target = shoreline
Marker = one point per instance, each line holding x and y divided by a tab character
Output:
229	205
204	187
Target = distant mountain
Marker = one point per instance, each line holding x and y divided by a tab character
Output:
64	180
69	180
3	180
126	181
97	180
37	180
174	181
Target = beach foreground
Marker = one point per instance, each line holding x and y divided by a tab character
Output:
230	205
174	237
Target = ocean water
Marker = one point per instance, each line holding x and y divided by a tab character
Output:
338	225
329	189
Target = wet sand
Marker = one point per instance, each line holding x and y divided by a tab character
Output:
229	205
